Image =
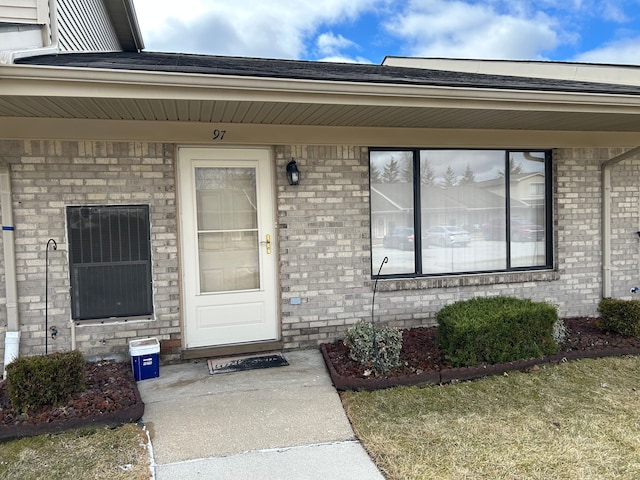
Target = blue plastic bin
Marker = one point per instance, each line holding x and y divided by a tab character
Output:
145	358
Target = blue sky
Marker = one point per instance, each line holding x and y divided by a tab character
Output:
597	31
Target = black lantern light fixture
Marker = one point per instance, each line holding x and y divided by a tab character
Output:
293	174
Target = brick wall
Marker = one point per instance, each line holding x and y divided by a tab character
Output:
49	175
323	242
324	246
625	223
578	199
578	219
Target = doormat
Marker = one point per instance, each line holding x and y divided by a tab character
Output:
218	365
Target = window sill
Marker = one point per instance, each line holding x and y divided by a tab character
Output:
396	284
113	321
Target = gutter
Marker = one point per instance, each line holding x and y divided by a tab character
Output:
134	26
12	335
605	168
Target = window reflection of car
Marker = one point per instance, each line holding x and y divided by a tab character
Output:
400	238
448	235
521	231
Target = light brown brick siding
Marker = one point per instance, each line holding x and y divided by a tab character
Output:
47	176
323	242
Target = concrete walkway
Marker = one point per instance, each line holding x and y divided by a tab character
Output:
278	423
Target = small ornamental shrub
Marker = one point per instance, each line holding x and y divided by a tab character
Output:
559	332
44	379
375	347
620	316
495	330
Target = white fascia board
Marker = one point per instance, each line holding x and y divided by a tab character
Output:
27	80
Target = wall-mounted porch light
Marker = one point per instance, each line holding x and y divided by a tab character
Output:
293	174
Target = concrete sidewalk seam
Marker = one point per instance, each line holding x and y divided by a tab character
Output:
264	450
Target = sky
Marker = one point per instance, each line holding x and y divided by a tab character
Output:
365	31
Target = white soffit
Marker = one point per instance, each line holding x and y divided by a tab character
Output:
63	92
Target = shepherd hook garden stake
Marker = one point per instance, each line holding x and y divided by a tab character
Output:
46	294
373	306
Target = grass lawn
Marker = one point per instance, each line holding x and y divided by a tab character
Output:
576	420
100	453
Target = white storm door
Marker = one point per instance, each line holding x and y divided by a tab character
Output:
228	246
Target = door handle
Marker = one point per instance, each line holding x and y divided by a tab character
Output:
267	243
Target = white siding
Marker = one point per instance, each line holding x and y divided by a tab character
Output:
20	37
24	11
83	25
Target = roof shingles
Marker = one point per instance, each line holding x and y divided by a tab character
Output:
321	71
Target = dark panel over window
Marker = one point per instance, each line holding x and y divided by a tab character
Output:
110	261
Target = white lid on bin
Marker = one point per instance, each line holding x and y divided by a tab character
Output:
144	346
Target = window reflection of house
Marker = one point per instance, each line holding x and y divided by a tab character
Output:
527	195
468	206
391	208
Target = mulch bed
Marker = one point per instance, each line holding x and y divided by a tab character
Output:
111	398
423	363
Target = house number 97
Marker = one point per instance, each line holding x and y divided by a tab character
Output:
219	134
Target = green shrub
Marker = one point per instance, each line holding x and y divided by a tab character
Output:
559	332
620	316
495	330
44	379
381	354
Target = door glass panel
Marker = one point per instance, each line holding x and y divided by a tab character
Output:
227	224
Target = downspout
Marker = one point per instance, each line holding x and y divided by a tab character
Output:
12	335
605	168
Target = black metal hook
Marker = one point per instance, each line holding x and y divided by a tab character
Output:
373	306
46	296
375	286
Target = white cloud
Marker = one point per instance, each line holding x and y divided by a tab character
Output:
344	59
330	48
613	11
329	43
280	28
457	29
506	29
625	51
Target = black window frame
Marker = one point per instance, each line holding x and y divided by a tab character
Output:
417	217
110	269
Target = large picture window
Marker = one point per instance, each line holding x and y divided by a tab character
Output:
110	261
448	212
